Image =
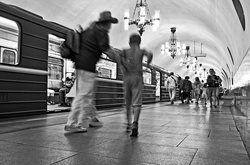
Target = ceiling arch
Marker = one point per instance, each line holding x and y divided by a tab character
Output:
215	24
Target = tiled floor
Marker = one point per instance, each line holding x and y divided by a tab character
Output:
168	134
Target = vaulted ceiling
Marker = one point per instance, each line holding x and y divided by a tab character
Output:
221	26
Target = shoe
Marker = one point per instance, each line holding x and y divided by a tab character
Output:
172	102
215	106
211	106
182	101
71	128
134	129
129	128
95	123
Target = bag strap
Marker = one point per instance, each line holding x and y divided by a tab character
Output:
174	81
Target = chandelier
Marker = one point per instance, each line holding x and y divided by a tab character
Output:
143	18
173	47
186	60
187	57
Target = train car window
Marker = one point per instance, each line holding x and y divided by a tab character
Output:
9	42
147	75
106	69
55	61
164	79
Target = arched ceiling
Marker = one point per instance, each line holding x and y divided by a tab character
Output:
214	23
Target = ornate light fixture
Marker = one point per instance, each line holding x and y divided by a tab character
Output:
173	47
143	18
186	60
202	73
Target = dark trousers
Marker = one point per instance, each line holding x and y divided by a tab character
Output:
62	94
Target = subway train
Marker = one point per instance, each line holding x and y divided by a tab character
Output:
31	63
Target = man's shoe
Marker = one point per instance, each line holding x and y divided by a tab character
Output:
134	129
95	123
71	128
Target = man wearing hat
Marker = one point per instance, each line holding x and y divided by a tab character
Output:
93	42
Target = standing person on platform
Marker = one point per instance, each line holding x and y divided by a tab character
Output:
186	88
180	82
93	42
171	86
131	63
197	89
204	92
213	82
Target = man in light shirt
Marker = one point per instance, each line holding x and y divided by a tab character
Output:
171	86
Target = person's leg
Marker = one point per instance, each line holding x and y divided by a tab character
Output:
173	94
82	102
197	95
210	96
170	94
137	91
188	97
184	97
214	96
62	96
88	109
216	103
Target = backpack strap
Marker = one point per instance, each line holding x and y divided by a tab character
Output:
174	81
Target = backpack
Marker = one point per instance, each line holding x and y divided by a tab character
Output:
187	86
71	46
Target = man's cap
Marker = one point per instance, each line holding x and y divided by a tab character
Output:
106	17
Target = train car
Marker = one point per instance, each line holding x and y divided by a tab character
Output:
26	49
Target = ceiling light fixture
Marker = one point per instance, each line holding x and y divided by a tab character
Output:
173	47
143	18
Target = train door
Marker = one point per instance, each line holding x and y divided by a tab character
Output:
56	71
158	86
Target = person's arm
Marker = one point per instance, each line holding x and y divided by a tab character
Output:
112	54
167	83
149	55
181	84
219	79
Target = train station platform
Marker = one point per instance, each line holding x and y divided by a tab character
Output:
168	134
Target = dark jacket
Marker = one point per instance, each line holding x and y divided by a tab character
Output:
93	42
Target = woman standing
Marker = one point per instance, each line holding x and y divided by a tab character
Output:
197	89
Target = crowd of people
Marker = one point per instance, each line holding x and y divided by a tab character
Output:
211	89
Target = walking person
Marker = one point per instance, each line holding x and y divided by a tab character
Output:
204	92
93	42
197	89
213	82
131	63
171	86
186	87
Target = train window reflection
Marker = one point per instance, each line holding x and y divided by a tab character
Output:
106	69
55	61
147	75
9	37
